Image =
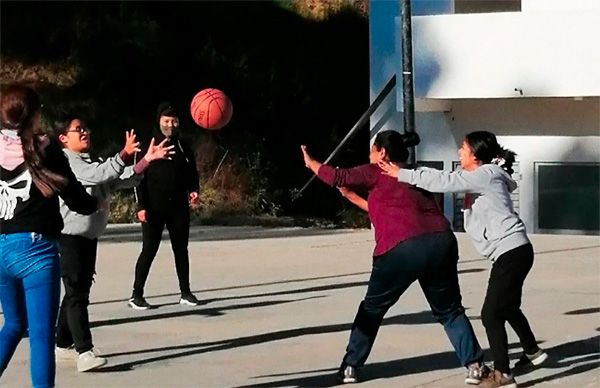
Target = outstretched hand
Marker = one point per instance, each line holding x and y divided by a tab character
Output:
160	151
389	168
309	162
307	158
131	144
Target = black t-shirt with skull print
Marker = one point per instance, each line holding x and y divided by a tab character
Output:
23	208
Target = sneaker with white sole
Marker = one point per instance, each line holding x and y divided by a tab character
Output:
89	360
66	354
189	300
534	359
139	303
347	374
476	372
497	379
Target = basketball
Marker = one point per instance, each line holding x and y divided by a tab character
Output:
211	109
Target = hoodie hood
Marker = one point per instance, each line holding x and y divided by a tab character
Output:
511	184
11	149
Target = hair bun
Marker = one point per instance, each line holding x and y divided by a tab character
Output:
410	139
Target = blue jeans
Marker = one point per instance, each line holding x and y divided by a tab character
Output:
432	260
29	293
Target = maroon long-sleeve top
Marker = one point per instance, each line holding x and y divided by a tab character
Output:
398	211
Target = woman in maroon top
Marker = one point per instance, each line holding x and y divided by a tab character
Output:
413	241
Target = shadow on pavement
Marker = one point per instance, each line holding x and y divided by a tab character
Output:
423	317
579	351
208	312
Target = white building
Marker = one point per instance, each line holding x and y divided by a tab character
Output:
527	70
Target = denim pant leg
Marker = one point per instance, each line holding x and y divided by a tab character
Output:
29	265
42	294
390	277
15	321
440	286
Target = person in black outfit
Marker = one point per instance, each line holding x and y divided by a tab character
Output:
164	196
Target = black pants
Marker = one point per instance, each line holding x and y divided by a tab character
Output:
78	266
503	304
177	222
432	260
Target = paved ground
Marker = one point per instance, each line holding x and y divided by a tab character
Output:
279	304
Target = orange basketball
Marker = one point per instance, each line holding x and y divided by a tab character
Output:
211	109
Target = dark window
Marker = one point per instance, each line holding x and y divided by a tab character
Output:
568	196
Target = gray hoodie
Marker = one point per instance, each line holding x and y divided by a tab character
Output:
100	178
491	222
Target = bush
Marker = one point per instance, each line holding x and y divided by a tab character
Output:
122	208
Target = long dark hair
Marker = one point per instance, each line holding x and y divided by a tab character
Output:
396	144
18	106
486	149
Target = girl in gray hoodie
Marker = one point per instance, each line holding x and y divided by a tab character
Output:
79	238
497	233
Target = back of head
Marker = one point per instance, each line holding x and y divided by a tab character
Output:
396	144
487	150
18	106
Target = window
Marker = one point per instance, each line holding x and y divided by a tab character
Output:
568	196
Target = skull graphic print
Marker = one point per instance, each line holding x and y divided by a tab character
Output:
11	191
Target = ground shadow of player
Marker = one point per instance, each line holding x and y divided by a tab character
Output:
578	356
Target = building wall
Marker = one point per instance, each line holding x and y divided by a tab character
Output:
563	130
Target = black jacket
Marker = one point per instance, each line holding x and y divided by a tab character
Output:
167	183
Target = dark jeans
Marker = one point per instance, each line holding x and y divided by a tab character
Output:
503	303
432	260
78	266
178	224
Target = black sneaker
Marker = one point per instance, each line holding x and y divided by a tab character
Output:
139	303
347	374
530	360
189	300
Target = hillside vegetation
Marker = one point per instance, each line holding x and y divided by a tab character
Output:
296	71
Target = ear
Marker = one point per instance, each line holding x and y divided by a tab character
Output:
63	139
382	154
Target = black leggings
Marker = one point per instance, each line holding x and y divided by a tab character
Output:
503	304
178	225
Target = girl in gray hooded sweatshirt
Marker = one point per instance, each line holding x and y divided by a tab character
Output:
497	233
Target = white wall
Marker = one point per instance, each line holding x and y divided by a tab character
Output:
528	116
547	54
537	129
559	5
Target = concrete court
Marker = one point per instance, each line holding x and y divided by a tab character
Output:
279	307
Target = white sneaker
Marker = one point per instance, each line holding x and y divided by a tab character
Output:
89	360
66	354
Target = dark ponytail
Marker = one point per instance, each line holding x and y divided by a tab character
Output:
486	149
396	144
18	107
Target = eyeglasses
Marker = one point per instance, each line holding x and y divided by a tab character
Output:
80	129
